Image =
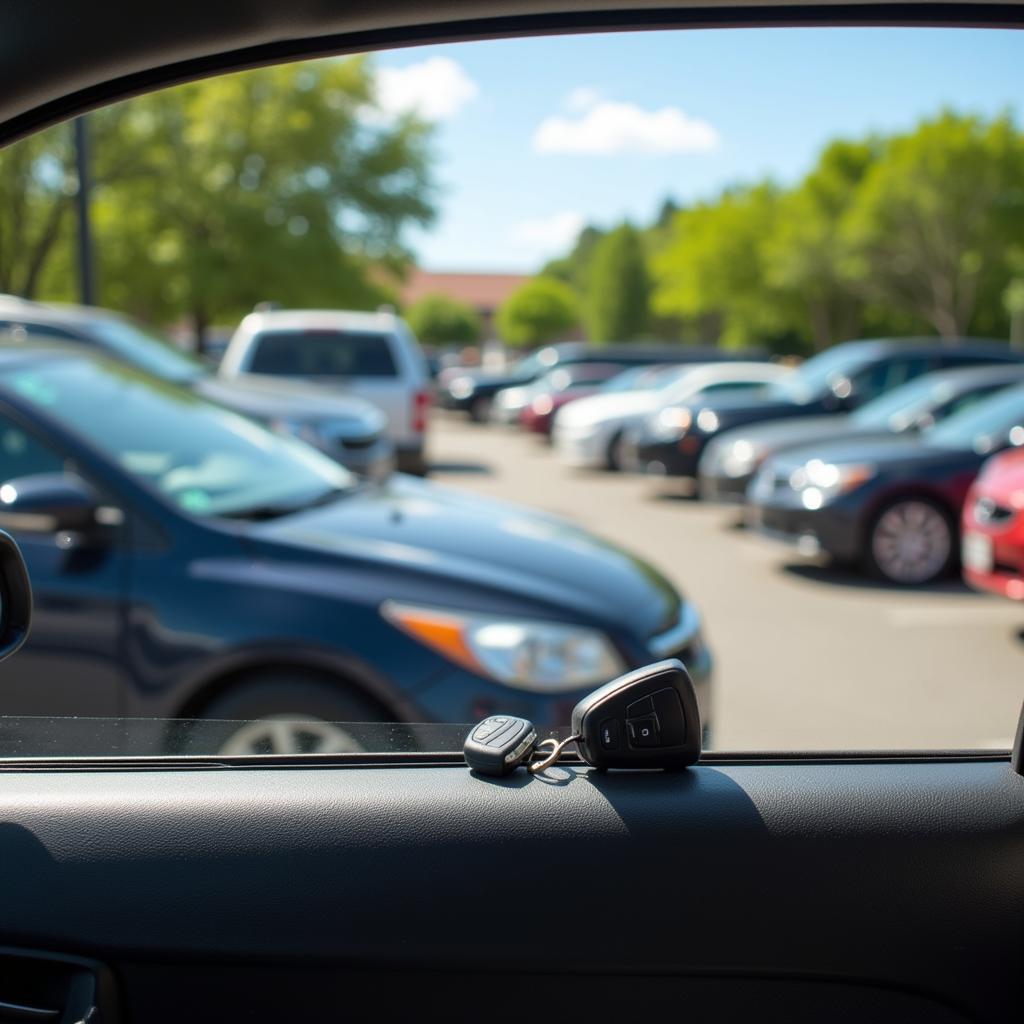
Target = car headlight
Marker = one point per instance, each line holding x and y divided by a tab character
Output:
672	422
820	482
741	458
303	429
707	421
461	387
545	657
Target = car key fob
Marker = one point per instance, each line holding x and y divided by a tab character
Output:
499	744
645	719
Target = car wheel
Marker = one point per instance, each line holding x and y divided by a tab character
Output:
284	713
480	409
910	542
613	457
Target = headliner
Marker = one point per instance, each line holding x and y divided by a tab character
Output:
61	57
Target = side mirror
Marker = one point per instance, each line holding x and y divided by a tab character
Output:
15	597
48	503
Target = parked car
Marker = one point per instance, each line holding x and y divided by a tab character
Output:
891	504
186	561
992	528
370	355
539	416
473	392
511	403
345	427
730	461
838	380
591	433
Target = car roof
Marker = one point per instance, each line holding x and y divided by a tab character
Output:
924	344
339	319
967	377
61	313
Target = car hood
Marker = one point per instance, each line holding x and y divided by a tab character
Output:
739	408
610	407
292	400
888	453
487	548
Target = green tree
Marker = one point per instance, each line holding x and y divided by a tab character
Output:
282	183
439	320
618	290
37	187
542	310
574	268
938	221
712	270
804	255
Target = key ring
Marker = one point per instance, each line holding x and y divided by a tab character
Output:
554	752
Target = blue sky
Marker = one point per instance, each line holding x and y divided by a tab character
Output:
535	136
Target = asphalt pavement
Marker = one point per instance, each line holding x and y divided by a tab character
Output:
808	657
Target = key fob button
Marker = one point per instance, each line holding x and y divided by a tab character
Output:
643	732
671	720
609	733
640	708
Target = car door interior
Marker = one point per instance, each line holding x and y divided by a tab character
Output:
772	888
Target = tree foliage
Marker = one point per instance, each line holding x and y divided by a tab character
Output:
285	183
540	311
937	224
617	303
440	320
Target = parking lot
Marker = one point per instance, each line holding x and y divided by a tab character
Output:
807	657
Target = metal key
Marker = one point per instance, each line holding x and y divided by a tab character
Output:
499	744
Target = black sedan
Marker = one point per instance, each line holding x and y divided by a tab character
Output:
730	461
188	562
893	504
838	380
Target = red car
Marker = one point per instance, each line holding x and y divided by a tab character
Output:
561	387
993	527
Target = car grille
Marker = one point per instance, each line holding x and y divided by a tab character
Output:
681	640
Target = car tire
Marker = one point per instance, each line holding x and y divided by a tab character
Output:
480	409
911	541
283	712
613	455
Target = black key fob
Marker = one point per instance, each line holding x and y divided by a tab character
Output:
499	744
645	719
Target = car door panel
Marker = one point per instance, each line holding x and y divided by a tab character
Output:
902	877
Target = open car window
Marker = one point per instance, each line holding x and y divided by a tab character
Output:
330	554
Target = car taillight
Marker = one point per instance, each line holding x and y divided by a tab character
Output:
420	408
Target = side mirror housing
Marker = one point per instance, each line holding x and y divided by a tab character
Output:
15	597
48	503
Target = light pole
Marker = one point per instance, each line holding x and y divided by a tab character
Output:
86	266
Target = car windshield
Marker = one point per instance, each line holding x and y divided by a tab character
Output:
811	381
147	350
206	460
900	407
983	426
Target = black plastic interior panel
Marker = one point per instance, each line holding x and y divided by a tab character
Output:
902	878
61	57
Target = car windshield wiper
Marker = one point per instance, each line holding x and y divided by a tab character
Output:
276	510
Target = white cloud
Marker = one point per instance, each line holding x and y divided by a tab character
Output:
436	89
549	235
582	98
605	128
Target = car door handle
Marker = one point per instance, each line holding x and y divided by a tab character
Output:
37	988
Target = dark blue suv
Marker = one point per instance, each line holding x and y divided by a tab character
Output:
187	562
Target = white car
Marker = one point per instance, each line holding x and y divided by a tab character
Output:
590	432
374	356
